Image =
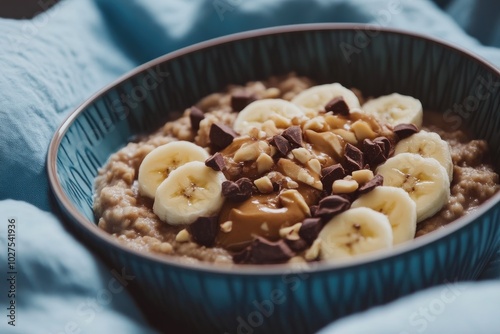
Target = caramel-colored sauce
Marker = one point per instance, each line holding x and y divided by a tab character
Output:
260	215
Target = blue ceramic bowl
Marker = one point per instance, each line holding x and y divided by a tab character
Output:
284	298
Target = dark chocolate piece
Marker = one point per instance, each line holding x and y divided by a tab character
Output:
294	135
330	206
310	229
385	144
297	245
195	117
338	106
240	100
237	191
353	158
264	251
221	136
405	130
204	230
330	174
374	153
313	209
216	162
243	256
377	180
282	144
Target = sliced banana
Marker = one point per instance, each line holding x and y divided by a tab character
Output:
424	179
428	145
254	115
161	161
395	109
314	99
353	232
193	190
397	205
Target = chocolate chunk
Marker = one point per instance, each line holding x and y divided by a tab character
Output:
237	191
405	130
374	153
297	245
243	256
204	230
294	135
330	206
221	136
282	144
353	158
310	229
330	174
385	144
338	106
216	162
313	209
377	180
245	185
196	116
240	100
264	251
354	153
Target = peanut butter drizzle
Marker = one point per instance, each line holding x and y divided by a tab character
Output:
262	215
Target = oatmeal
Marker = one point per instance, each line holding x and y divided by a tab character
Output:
247	176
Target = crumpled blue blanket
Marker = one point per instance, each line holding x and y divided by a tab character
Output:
53	62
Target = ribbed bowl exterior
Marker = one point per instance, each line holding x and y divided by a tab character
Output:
294	300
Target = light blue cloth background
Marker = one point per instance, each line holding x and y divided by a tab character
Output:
50	64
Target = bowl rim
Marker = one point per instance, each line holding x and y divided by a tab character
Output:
75	216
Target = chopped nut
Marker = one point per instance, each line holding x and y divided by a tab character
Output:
271	93
362	130
291	184
273	151
289	168
264	185
264	146
254	133
317	124
327	142
302	154
270	128
291	232
182	236
344	186
293	197
264	227
315	165
362	176
264	163
247	152
335	122
226	226
280	121
313	252
348	136
166	247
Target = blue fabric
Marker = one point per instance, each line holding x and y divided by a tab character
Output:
53	62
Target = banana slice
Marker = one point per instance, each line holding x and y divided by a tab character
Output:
353	232
314	99
397	205
424	179
395	109
428	145
158	164
193	190
280	112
